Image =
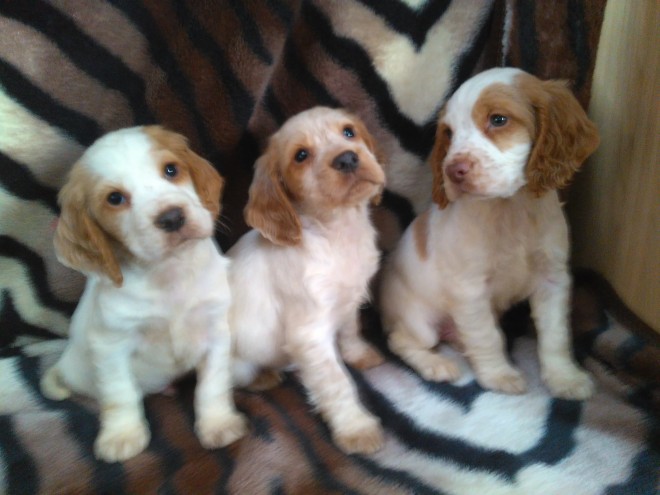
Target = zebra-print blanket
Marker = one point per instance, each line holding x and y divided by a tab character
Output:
227	73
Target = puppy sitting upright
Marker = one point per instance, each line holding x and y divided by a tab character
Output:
299	278
138	215
496	234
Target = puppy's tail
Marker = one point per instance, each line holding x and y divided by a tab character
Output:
53	386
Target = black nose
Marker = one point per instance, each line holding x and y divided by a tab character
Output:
346	162
171	220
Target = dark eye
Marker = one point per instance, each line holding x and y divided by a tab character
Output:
171	170
116	198
448	132
349	132
301	156
498	120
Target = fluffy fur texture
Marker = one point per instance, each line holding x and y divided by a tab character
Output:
496	234
138	215
299	278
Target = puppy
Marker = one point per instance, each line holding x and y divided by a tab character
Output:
138	214
299	278
496	234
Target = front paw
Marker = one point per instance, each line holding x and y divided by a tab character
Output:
570	383
437	368
508	380
121	442
363	436
216	430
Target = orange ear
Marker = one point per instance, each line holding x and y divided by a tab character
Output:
436	159
269	209
207	181
80	243
368	139
565	136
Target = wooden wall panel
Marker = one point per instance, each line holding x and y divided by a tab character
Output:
614	204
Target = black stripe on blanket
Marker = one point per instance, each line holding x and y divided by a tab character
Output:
83	426
80	127
11	248
413	23
95	59
349	54
241	101
21	470
20	182
250	32
394	476
13	326
321	471
529	50
163	57
578	35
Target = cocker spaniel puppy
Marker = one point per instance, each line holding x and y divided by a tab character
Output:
496	234
299	278
138	215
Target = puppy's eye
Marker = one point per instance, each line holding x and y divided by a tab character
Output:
349	132
171	170
447	132
301	156
115	198
497	120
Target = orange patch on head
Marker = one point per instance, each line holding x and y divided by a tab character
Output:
420	228
207	181
502	102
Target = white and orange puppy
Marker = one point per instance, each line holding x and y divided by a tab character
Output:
496	234
299	278
138	215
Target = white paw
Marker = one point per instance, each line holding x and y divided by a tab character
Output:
437	368
508	380
570	383
216	430
363	436
120	442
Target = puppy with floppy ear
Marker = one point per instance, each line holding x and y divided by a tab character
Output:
495	234
138	215
299	278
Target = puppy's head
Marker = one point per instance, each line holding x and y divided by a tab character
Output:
504	129
135	193
320	160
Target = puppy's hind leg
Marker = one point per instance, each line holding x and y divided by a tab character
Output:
413	340
52	385
354	349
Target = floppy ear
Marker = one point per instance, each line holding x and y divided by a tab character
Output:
80	243
565	136
436	159
368	139
206	179
269	209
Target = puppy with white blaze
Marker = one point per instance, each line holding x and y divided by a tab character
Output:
299	278
495	234
138	216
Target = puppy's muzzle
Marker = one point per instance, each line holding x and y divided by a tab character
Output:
459	170
171	220
346	162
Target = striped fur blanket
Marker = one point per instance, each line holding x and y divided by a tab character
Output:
227	74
